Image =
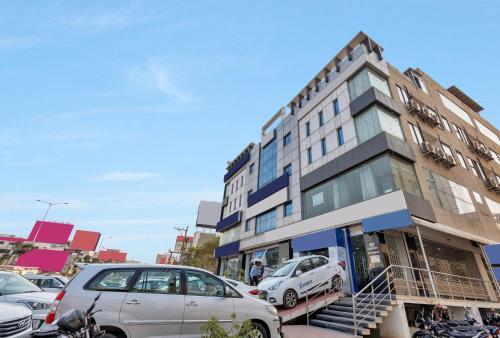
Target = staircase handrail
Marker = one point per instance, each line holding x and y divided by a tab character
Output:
313	291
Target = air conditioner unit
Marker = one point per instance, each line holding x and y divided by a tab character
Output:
474	145
439	155
413	107
450	161
427	148
488	156
423	113
434	121
492	184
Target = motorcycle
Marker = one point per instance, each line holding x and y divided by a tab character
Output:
75	324
424	324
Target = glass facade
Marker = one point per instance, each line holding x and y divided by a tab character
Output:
265	222
268	163
364	80
449	195
375	120
229	267
230	235
377	177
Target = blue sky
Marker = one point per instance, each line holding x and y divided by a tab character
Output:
130	110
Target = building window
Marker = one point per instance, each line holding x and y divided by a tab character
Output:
230	205
236	184
417	80
340	136
476	167
320	118
309	155
447	149
495	156
336	107
241	182
252	167
239	203
449	195
308	129
268	163
416	134
323	147
288	209
288	169
461	159
232	187
364	80
477	197
265	222
377	177
375	120
287	139
403	94
445	124
247	225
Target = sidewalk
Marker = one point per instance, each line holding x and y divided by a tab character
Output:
303	331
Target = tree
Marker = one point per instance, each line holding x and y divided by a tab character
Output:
202	256
213	329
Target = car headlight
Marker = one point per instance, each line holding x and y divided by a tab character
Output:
35	305
275	286
272	310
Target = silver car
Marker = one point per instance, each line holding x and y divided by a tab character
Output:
17	289
48	283
15	320
141	301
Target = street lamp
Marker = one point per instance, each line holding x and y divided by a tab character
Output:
50	204
102	241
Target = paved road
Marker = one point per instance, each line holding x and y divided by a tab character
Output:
302	331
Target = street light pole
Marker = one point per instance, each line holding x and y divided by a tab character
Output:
102	241
50	204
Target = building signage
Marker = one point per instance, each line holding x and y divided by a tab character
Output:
373	252
318	199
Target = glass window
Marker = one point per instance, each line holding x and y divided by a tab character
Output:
403	94
309	155
446	124
114	280
449	195
229	236
374	121
251	168
323	147
304	266
230	267
418	81
318	262
202	284
447	149
159	281
51	283
247	225
14	284
239	203
364	80
461	159
320	118
308	129
267	163
340	136
336	107
287	139
495	156
416	134
477	197
288	169
265	222
288	209
494	208
377	177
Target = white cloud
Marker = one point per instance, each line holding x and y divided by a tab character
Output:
124	176
163	80
20	42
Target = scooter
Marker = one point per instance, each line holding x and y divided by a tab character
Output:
75	324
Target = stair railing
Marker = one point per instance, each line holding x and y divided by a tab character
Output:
376	295
325	293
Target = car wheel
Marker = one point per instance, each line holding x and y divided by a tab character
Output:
261	330
337	283
290	299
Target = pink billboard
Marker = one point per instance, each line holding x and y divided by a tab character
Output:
45	260
50	232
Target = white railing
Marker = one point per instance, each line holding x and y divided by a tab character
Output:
327	291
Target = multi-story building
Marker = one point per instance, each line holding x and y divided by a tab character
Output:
372	166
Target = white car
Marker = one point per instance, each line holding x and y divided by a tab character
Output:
140	300
17	289
240	286
15	320
295	277
48	283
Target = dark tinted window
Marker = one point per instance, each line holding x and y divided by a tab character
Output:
304	266
202	284
159	281
112	280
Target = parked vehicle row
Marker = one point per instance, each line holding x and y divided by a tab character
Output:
15	320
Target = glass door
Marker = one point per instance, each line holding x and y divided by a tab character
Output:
360	258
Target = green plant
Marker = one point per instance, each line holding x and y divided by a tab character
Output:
213	329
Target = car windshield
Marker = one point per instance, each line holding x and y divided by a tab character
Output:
284	269
11	284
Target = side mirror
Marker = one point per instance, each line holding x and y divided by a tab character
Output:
298	272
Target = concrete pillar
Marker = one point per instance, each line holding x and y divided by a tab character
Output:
484	276
395	325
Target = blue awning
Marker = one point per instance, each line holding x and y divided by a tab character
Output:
317	240
229	249
392	220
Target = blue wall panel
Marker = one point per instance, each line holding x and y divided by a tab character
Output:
269	189
392	220
240	163
229	221
227	249
317	240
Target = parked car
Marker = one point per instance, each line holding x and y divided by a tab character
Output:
240	286
15	320
141	300
295	277
48	283
17	289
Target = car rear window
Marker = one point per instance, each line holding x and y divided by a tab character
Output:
112	280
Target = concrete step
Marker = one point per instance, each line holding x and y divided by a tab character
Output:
363	316
363	306
348	309
339	327
347	321
362	300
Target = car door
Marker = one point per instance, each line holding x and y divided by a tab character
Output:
322	271
304	281
154	306
205	299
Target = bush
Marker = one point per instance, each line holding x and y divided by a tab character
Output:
213	329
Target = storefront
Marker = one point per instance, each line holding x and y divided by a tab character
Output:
270	256
228	260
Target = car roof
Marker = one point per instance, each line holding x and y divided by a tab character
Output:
105	266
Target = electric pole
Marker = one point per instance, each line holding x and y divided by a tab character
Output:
183	231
